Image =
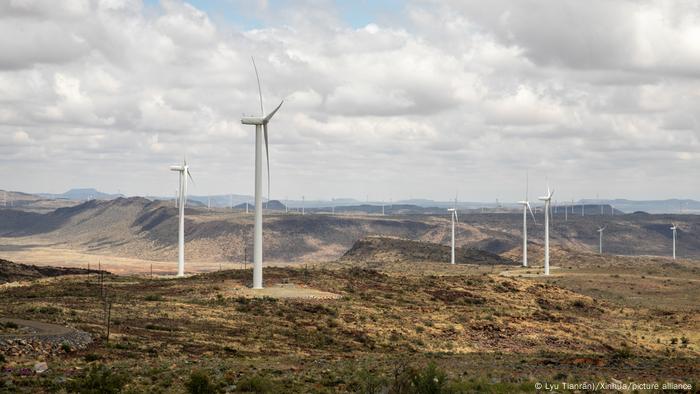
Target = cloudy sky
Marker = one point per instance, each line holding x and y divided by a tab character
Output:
385	99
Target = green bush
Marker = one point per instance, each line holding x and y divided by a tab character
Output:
99	379
10	324
256	384
153	297
91	357
66	347
431	380
369	383
199	383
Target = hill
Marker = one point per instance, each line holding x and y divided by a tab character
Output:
12	272
466	331
142	229
385	249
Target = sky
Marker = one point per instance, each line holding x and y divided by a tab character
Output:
383	99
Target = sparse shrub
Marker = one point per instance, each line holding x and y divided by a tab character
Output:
99	379
256	384
156	327
431	380
674	341
622	353
2	358
10	324
369	383
200	383
153	297
66	347
578	304
229	349
685	341
49	310
90	357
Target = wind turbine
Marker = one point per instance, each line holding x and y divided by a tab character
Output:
303	200
184	173
260	123
453	212
547	201
674	228
526	207
600	242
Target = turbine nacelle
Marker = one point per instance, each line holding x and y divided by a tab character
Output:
254	120
259	120
453	211
549	195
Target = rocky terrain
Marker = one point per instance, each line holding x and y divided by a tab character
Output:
463	328
387	249
12	272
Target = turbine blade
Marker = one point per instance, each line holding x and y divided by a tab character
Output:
267	153
531	213
271	114
527	183
456	217
262	111
189	174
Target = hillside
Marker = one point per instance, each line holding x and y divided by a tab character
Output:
142	229
380	333
386	249
12	272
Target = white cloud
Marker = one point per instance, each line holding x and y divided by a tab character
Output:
438	93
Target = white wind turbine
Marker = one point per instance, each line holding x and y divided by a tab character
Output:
453	212
260	123
674	228
600	242
526	207
547	201
184	173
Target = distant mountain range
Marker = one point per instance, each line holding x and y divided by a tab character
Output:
81	195
651	206
238	200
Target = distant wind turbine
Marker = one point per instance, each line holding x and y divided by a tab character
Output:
674	228
453	212
184	173
303	200
260	123
600	242
547	201
526	207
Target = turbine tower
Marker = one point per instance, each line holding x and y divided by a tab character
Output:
526	207
600	242
674	228
547	201
260	123
453	212
184	173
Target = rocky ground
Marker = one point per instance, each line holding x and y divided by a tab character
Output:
471	330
